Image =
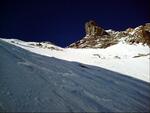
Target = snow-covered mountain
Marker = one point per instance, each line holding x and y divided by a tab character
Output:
97	37
105	71
128	59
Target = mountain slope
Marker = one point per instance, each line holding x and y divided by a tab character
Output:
132	60
31	82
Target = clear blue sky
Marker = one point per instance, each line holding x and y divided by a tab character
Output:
62	21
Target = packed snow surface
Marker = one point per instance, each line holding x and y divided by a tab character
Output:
132	60
33	82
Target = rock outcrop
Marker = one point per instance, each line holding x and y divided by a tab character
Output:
97	37
92	29
140	34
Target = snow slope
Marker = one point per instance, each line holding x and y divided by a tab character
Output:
122	57
31	82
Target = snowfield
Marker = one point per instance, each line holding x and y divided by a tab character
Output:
33	82
132	60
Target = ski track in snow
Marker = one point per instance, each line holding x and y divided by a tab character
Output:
31	82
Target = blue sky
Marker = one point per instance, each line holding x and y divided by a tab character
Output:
62	21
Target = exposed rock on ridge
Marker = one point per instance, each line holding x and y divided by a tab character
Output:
92	29
97	37
140	34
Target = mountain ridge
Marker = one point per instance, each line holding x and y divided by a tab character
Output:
97	37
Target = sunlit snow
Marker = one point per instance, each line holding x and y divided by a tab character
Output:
31	82
121	57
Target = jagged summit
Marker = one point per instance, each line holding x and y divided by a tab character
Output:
93	30
140	34
97	37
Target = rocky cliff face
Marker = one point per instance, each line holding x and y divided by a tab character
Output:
97	37
140	34
92	30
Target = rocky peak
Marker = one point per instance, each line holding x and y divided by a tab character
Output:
92	29
140	34
97	37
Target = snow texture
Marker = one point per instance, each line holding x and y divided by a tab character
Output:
121	57
32	82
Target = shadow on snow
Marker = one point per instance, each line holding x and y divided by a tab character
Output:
31	82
